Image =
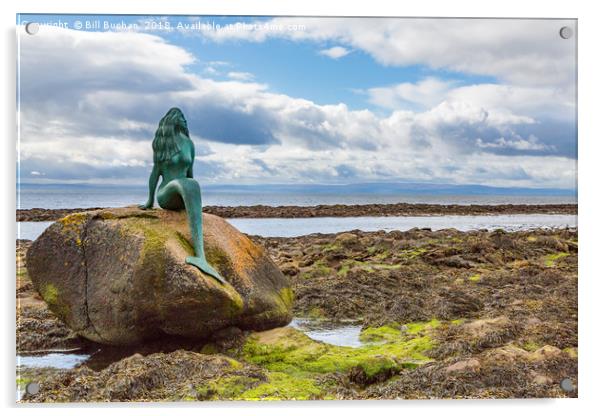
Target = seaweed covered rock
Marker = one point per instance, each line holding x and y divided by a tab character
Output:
118	276
173	376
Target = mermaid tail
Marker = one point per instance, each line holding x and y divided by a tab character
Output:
203	266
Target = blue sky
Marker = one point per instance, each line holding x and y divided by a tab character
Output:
305	100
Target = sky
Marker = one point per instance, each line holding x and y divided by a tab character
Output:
300	100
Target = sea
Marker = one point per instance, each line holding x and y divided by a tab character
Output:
86	196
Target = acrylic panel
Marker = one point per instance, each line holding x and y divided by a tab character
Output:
216	208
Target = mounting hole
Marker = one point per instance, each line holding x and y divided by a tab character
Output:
32	28
566	32
567	385
32	388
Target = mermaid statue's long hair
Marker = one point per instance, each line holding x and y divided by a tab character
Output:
164	143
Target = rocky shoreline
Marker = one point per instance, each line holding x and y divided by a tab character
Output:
444	314
369	210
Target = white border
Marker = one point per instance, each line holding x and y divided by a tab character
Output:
590	118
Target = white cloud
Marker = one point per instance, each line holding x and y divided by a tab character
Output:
241	76
211	70
426	93
96	115
508	103
521	51
335	52
531	143
88	150
218	63
214	68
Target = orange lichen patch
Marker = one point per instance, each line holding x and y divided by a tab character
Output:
245	252
242	252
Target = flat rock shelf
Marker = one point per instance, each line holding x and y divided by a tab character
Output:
363	210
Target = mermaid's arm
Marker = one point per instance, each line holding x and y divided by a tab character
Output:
189	171
152	186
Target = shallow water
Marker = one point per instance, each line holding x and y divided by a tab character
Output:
53	360
31	230
342	334
346	335
294	227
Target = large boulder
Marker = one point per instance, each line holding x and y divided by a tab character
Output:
118	276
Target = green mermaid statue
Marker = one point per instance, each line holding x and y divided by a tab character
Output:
173	157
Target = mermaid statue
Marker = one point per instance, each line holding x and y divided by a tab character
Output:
173	157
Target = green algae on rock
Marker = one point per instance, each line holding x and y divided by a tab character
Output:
297	365
118	276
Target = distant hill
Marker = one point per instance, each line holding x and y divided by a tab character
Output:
349	189
392	189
